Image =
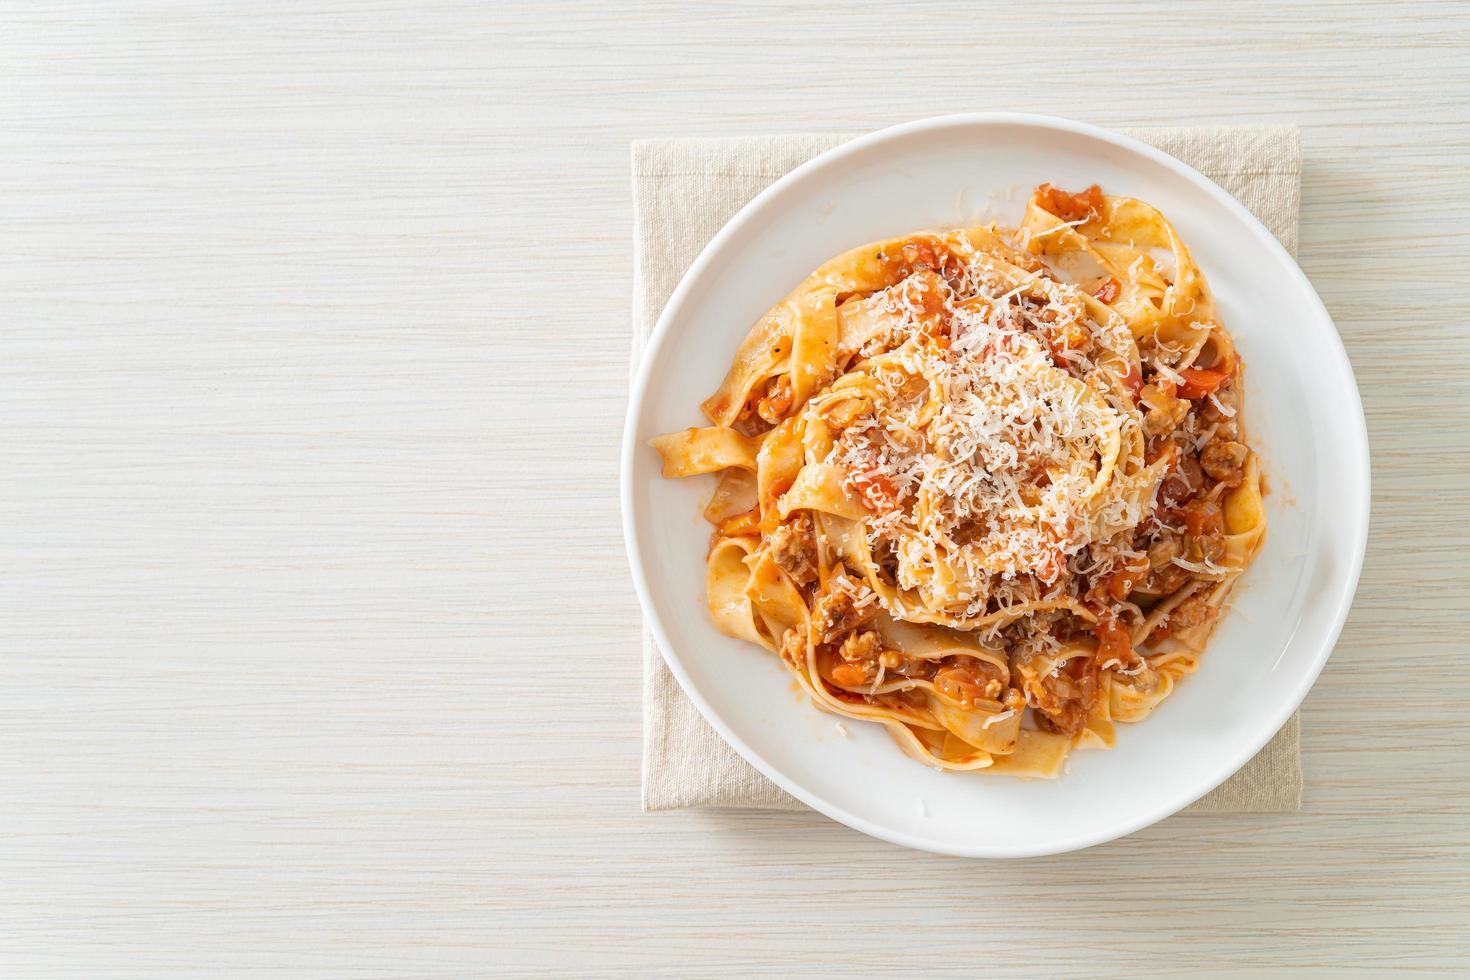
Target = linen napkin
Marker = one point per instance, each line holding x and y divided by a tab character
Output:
684	190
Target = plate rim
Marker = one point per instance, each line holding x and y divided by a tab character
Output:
637	397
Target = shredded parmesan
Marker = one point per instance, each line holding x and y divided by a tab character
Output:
993	453
862	595
1201	567
1169	373
1203	439
1056	228
997	456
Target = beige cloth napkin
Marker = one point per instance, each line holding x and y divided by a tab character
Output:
684	190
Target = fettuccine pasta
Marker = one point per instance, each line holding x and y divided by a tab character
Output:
986	487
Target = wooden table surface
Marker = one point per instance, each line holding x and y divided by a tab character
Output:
318	653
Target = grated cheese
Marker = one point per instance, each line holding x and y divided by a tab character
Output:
994	449
1203	439
1224	410
1169	373
1056	228
1201	567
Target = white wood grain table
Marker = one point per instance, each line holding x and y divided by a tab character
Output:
318	654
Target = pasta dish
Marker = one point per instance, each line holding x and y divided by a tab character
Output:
988	487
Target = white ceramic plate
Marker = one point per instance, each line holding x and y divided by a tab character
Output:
1303	413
